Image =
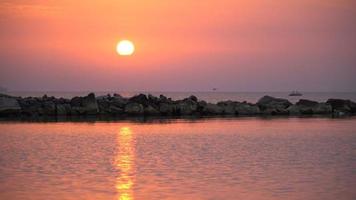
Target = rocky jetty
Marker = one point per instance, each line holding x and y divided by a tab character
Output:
148	105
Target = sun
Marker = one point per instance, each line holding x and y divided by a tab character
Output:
125	48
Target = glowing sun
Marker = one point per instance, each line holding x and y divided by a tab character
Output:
125	48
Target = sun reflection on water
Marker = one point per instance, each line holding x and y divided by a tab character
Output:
125	164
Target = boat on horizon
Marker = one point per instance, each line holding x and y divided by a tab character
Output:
295	93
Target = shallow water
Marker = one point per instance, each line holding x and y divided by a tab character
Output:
240	158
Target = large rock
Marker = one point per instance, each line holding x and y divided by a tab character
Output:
150	110
153	100
90	104
213	109
119	101
229	107
308	107
63	109
76	102
115	110
274	106
31	106
322	108
340	106
134	109
9	106
247	109
167	109
141	99
187	107
48	108
84	105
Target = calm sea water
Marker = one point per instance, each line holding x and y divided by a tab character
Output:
212	97
240	158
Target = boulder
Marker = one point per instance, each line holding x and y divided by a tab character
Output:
294	110
30	106
167	109
76	102
187	107
306	103
9	106
90	104
342	106
150	110
273	106
163	99
104	105
229	107
247	109
115	110
201	106
192	98
134	109
213	109
119	101
63	109
140	99
322	108
308	107
153	100
48	108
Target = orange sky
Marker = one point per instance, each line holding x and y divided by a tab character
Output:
246	45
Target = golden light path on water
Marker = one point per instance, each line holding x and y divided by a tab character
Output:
125	163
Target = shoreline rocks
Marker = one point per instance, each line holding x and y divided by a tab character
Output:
149	105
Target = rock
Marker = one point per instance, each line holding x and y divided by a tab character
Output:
119	101
273	106
150	110
247	109
31	106
164	99
201	106
115	110
187	107
306	103
76	102
48	108
269	101
294	110
103	97
308	107
104	105
167	109
141	99
61	109
78	111
213	109
153	100
193	98
134	109
228	107
9	106
322	108
342	106
117	95
90	104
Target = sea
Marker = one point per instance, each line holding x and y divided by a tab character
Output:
262	158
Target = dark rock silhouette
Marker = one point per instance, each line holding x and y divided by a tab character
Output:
149	105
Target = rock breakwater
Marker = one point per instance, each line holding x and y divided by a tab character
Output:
149	105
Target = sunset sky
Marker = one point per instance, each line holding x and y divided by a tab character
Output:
185	45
